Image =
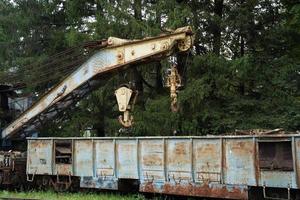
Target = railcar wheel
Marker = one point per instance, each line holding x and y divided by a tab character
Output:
1	178
61	187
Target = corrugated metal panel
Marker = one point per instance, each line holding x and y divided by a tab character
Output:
127	165
277	179
179	160
277	164
104	158
296	155
207	160
239	165
39	158
63	169
219	191
83	157
176	165
152	160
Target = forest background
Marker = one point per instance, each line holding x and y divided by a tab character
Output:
243	72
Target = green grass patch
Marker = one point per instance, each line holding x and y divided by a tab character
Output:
49	195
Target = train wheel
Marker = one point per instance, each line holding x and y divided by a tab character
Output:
60	186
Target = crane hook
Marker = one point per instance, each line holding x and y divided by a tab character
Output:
173	81
126	99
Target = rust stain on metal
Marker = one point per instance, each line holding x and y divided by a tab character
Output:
153	159
203	190
64	169
211	152
256	163
297	160
180	153
242	148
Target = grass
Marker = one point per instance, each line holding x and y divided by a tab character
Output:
49	195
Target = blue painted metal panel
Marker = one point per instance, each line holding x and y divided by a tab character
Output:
240	161
83	158
175	164
296	156
39	157
99	183
127	162
207	159
284	179
104	164
152	160
179	160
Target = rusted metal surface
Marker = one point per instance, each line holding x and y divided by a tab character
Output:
104	159
179	160
283	179
213	166
107	183
39	158
127	163
208	168
277	161
203	190
83	158
276	156
64	169
12	168
239	168
152	161
296	159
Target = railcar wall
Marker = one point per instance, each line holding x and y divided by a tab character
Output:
222	166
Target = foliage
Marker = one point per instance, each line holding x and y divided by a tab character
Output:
49	195
243	73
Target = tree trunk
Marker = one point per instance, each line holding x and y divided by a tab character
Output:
218	12
137	8
137	77
138	80
242	35
242	47
158	79
100	128
181	66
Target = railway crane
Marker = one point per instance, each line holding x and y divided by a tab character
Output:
115	54
253	166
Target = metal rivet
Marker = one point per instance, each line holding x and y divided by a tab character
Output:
153	46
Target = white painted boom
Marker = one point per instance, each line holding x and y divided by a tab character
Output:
118	54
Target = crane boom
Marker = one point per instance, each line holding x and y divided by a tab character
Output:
117	54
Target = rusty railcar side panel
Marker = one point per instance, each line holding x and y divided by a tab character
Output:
104	158
278	163
207	159
152	160
40	157
179	160
83	158
296	155
217	167
283	179
127	161
198	190
239	168
63	169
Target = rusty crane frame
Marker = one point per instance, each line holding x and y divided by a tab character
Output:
115	54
